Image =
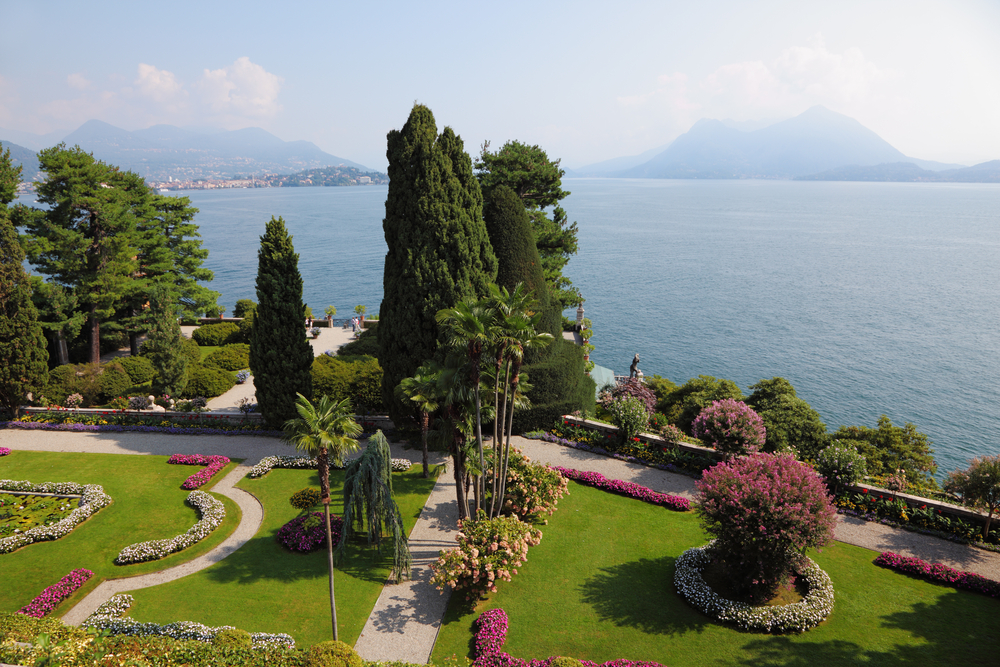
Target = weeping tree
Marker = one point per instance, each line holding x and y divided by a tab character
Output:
369	506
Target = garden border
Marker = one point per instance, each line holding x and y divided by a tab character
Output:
213	512
93	499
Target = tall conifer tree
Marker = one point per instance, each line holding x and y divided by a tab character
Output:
280	356
439	251
22	346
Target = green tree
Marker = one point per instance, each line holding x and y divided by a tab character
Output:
438	249
979	485
890	448
244	308
537	180
421	389
163	346
683	406
22	344
792	425
86	240
325	430
280	356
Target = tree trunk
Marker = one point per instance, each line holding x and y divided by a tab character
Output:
329	557
456	455
133	344
425	419
95	336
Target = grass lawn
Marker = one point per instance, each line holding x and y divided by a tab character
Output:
148	503
599	587
265	588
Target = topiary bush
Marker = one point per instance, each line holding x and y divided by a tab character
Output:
629	414
114	381
333	654
233	638
139	369
212	335
191	350
209	382
731	427
356	378
304	498
232	357
764	511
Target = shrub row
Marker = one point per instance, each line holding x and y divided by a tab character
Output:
232	357
216	335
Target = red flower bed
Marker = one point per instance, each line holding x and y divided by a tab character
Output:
213	465
630	489
50	598
305	538
969	581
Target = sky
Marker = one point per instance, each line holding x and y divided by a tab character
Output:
586	81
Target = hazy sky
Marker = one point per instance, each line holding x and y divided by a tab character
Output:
587	81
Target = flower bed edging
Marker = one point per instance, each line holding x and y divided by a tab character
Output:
492	634
214	464
268	463
212	513
797	617
93	499
50	598
630	489
938	572
293	536
109	617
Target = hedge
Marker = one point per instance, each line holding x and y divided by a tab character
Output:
139	369
560	387
114	382
357	378
212	335
208	382
232	357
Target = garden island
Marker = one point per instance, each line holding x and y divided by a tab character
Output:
443	482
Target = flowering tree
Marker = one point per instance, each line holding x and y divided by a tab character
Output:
730	426
765	511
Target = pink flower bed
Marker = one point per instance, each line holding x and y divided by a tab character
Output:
50	598
213	465
629	489
493	633
969	581
4	451
293	535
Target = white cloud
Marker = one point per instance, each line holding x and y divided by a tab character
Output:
159	85
78	80
243	89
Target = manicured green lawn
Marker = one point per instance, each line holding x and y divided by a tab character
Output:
148	503
265	588
599	587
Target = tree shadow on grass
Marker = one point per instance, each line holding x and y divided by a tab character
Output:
641	595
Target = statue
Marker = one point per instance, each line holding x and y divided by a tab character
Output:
633	371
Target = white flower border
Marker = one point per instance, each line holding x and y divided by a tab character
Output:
109	616
797	617
93	499
305	462
212	513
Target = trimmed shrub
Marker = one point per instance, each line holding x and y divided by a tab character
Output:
562	661
365	345
83	379
244	307
114	381
560	387
731	427
356	378
333	654
232	638
764	511
304	499
366	387
629	414
232	357
139	369
212	335
208	382
191	350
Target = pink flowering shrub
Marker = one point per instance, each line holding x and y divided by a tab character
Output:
630	489
633	387
306	533
764	511
492	633
940	573
213	465
532	489
4	451
50	598
489	550
731	427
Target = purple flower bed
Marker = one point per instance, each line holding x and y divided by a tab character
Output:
493	633
969	581
50	598
214	464
119	428
305	539
4	451
629	489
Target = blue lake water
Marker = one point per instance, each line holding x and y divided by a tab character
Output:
871	298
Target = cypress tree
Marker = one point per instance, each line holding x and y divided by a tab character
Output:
22	345
439	251
280	356
163	346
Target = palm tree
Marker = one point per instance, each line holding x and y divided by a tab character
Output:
323	430
470	326
422	390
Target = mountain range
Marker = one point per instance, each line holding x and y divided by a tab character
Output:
818	144
161	152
